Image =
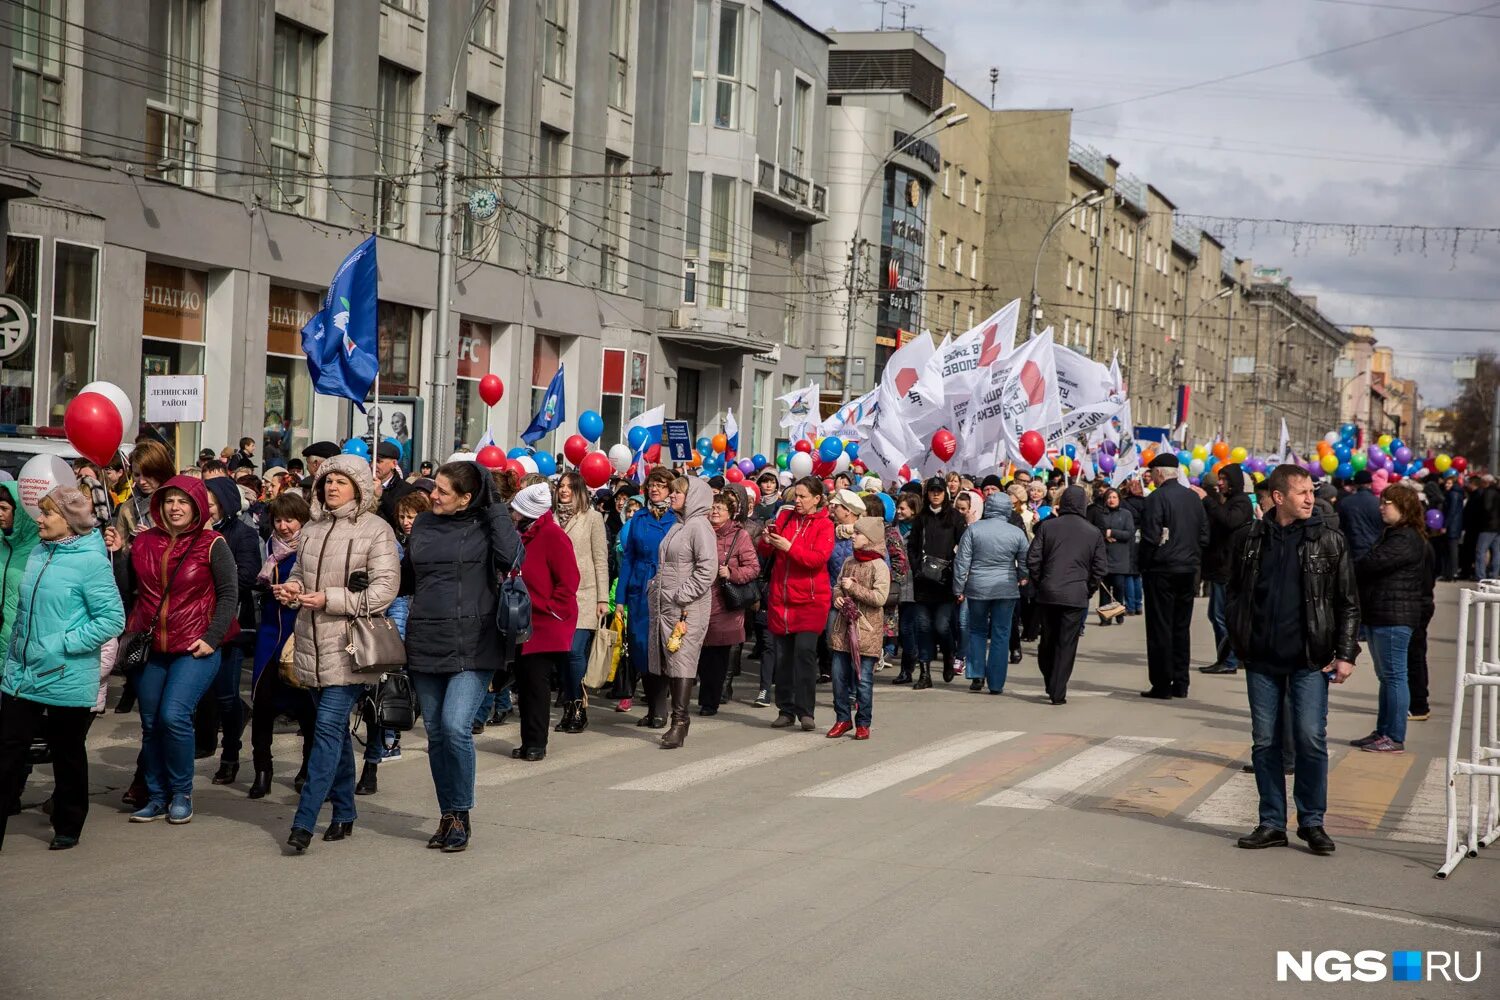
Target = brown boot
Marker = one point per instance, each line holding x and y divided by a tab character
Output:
682	691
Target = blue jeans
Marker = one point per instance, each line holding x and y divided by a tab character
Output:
989	639
906	629
1307	692
578	664
330	766
1487	555
1134	592
1388	648
1218	609
169	689
860	684
961	636
449	703
227	693
934	629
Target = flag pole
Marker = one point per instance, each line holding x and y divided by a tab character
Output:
375	436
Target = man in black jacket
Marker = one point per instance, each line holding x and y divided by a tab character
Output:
389	486
1359	516
1228	510
1293	619
1173	535
1066	561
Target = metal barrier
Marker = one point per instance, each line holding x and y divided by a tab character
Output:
1478	668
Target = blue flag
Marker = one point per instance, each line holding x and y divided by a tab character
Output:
339	340
552	412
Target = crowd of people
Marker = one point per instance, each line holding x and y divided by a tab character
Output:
500	587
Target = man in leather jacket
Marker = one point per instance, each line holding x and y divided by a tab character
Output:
1293	620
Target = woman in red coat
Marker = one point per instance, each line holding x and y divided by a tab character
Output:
550	572
726	626
799	598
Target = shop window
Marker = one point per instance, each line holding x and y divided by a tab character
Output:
398	332
172	324
639	370
75	314
546	357
612	397
23	257
471	418
289	391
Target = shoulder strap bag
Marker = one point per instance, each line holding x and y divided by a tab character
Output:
373	642
738	596
135	645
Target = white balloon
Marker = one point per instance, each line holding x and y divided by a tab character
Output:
841	464
464	456
115	395
1332	437
620	456
1196	467
528	463
800	464
40	476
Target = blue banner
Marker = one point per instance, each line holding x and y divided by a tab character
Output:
552	412
339	340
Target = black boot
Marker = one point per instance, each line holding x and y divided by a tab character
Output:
681	691
580	717
369	784
227	772
458	834
565	724
262	783
924	679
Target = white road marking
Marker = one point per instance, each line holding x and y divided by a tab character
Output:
1055	784
906	766
1426	819
563	753
1234	804
700	771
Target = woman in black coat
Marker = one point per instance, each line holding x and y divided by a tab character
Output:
930	548
1118	526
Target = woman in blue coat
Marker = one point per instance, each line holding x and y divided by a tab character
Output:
17	539
68	609
637	566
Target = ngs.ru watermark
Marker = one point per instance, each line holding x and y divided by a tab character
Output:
1377	966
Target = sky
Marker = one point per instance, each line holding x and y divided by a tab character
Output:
1341	126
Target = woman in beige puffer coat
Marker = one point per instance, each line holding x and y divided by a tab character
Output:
863	585
686	566
346	564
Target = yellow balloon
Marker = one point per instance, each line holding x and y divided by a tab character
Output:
1063	463
1443	463
1238	455
1260	477
1329	462
1200	452
1383	440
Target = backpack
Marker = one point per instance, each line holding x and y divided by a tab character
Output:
513	609
395	707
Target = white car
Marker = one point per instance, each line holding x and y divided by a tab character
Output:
16	451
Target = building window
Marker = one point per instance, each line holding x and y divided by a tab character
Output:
172	111
546	358
689	282
947	169
938	312
963	185
75	315
1067	329
37	80
802	120
976	197
760	390
958	256
486	33
694	220
942	254
973	262
616	206
689	381
953	325
549	192
619	52
23	260
612	395
294	79
393	117
410	6
726	93
700	61
721	229
971	318
479	136
555	41
1068	277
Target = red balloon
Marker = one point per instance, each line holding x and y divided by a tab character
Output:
595	469
822	469
1460	463
491	457
653	453
1033	447
734	475
575	447
491	389
944	444
515	468
803	445
93	425
828	485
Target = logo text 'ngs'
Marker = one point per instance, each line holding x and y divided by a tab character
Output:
1376	966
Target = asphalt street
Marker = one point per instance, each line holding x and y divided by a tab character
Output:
977	846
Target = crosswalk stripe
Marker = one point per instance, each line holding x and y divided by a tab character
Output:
565	753
904	767
713	767
1426	819
1183	773
1053	785
996	768
1234	804
1361	787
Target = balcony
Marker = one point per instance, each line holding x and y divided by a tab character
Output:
790	194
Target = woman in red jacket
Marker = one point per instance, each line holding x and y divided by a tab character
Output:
799	598
550	572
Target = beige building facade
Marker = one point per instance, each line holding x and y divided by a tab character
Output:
956	251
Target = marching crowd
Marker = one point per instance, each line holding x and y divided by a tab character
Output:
459	595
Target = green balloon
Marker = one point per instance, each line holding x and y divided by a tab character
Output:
1358	460
782	460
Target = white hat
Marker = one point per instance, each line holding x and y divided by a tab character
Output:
849	500
532	502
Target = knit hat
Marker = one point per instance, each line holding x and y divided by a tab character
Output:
871	484
848	499
872	528
1166	460
532	502
1363	478
76	508
991	480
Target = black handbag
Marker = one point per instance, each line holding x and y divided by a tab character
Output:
935	570
395	705
135	645
738	596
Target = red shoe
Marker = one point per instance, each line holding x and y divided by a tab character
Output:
839	729
862	733
623	706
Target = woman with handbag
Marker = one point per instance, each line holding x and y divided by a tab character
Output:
733	593
641	539
346	569
68	610
270	691
680	594
799	597
456	556
931	546
552	581
584	527
187	599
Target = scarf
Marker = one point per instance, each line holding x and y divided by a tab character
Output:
867	555
69	539
659	508
563	515
276	551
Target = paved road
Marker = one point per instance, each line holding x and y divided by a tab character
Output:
976	847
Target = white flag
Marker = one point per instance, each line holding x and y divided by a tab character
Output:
1080	380
1284	444
851	421
1017	394
910	396
959	365
1127	460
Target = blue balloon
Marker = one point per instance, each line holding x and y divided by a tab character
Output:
394	441
1070	450
519	451
357	446
1396	445
830	449
889	505
1344	471
590	425
546	464
705	447
1044	511
1342	452
637	438
1348	430
760	462
852	450
1184	457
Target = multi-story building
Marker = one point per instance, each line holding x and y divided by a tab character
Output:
1371	395
956	298
184	176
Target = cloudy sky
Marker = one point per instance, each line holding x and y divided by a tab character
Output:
1399	131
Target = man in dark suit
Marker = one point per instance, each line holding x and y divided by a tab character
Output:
1174	533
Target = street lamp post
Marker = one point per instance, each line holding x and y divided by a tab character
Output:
856	244
1089	201
1228	358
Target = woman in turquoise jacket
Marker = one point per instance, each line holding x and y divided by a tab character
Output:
17	539
68	608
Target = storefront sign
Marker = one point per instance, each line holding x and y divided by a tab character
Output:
174	303
920	150
473	349
15	325
287	313
174	399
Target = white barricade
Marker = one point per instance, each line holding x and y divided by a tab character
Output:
1477	687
